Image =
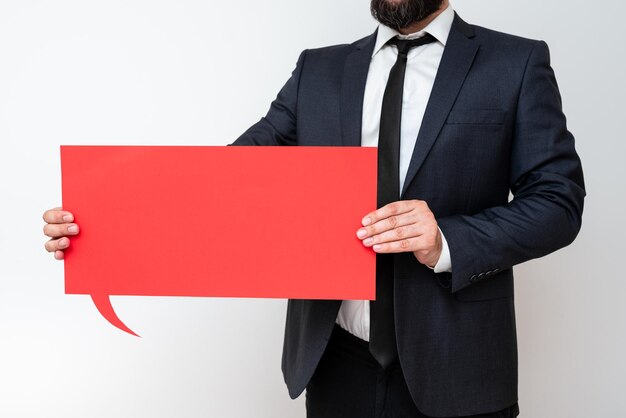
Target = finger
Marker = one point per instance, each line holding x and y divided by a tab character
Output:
57	216
422	244
391	209
56	231
57	244
59	255
387	224
401	246
396	234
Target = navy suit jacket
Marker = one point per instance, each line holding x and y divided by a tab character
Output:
493	125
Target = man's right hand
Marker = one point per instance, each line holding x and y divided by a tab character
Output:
59	227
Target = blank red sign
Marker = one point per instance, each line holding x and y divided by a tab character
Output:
262	222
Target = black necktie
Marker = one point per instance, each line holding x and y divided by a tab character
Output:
382	332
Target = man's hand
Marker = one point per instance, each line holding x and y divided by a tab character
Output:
59	226
403	226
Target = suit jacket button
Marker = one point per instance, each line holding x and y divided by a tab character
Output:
473	278
481	276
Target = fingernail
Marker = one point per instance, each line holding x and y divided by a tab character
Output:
72	229
368	241
361	233
68	218
366	221
63	243
377	247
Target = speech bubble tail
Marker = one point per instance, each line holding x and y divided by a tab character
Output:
103	303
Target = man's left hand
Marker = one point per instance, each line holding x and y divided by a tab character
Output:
403	226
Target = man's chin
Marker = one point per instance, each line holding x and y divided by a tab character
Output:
400	14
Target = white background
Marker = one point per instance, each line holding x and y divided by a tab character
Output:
194	72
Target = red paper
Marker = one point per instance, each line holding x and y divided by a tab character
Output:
264	222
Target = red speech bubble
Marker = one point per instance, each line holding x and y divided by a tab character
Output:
263	222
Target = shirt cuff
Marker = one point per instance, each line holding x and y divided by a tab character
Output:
444	264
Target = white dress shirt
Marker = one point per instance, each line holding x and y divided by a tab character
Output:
421	69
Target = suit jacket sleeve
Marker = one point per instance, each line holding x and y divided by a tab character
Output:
278	127
546	180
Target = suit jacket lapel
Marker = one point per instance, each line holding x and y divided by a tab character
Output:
455	63
353	88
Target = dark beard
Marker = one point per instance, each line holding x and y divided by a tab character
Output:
402	13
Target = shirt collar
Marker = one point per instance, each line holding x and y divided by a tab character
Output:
439	28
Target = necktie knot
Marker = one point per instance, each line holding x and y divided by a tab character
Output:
405	45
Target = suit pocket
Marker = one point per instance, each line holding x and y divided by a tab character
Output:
476	117
495	287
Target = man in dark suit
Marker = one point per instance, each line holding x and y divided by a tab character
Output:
481	117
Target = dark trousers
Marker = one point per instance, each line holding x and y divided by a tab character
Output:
348	382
